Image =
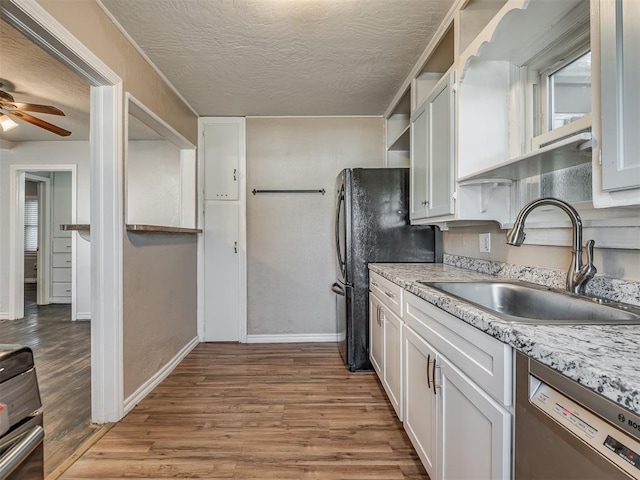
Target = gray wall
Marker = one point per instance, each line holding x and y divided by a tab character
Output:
160	304
290	260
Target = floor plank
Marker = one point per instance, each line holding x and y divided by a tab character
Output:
63	366
287	411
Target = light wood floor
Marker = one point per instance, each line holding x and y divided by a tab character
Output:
258	411
63	366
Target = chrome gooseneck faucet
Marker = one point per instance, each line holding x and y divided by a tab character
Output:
578	274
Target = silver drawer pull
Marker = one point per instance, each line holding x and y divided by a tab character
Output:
68	291
389	294
374	283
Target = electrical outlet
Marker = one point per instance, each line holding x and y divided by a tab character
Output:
484	240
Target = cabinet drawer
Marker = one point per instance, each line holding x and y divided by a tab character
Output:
485	360
388	292
62	245
62	274
62	260
61	289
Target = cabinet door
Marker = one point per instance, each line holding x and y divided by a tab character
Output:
476	439
620	71
222	320
392	366
440	150
420	401
376	335
223	148
418	171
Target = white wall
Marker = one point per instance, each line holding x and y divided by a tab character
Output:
290	237
48	153
612	262
153	183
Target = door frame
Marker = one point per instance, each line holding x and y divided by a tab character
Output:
106	186
18	175
43	258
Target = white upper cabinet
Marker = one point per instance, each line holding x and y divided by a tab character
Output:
432	161
223	145
620	97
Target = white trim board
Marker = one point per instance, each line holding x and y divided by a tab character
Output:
294	338
146	388
106	197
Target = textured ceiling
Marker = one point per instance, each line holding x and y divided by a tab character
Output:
283	57
32	75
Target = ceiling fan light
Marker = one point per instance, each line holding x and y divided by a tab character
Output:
6	123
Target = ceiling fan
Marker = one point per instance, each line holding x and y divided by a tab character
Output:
8	106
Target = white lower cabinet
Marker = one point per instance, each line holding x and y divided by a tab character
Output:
457	395
420	401
385	348
376	335
475	431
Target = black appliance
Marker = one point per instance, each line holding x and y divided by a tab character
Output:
21	432
372	225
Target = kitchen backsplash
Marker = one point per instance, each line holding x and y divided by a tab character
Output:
602	286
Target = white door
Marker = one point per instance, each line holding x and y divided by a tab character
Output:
420	401
223	148
476	431
222	282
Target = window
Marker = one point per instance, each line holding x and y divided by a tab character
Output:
565	93
31	225
557	93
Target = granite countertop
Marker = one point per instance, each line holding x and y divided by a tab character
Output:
604	358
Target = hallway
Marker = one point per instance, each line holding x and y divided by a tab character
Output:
62	351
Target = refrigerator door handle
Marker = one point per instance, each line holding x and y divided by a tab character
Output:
341	263
337	288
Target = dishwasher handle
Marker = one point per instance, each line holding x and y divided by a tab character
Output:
14	457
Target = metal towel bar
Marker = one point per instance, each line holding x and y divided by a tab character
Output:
322	191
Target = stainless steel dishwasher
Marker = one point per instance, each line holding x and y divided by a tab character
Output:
565	431
21	432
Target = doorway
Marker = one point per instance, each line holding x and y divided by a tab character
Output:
57	256
106	214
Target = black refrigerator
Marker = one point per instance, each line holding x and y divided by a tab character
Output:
372	225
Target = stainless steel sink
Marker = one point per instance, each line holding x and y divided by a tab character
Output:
520	302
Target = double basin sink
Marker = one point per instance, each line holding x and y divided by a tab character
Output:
520	302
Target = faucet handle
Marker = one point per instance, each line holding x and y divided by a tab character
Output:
587	272
590	245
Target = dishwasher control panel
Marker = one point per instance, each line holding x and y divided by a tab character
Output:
615	445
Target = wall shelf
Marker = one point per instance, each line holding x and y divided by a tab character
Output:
138	228
75	227
402	141
571	151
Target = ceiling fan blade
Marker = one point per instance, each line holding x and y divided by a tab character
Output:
5	96
34	107
39	123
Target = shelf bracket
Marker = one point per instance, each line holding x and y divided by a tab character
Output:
487	187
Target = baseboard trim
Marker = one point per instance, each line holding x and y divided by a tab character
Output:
146	388
4	315
83	316
294	338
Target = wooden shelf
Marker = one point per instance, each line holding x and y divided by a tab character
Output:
569	152
75	227
138	228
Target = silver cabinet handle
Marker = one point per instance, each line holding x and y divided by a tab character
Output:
235	247
234	175
389	294
20	451
374	283
433	375
428	363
